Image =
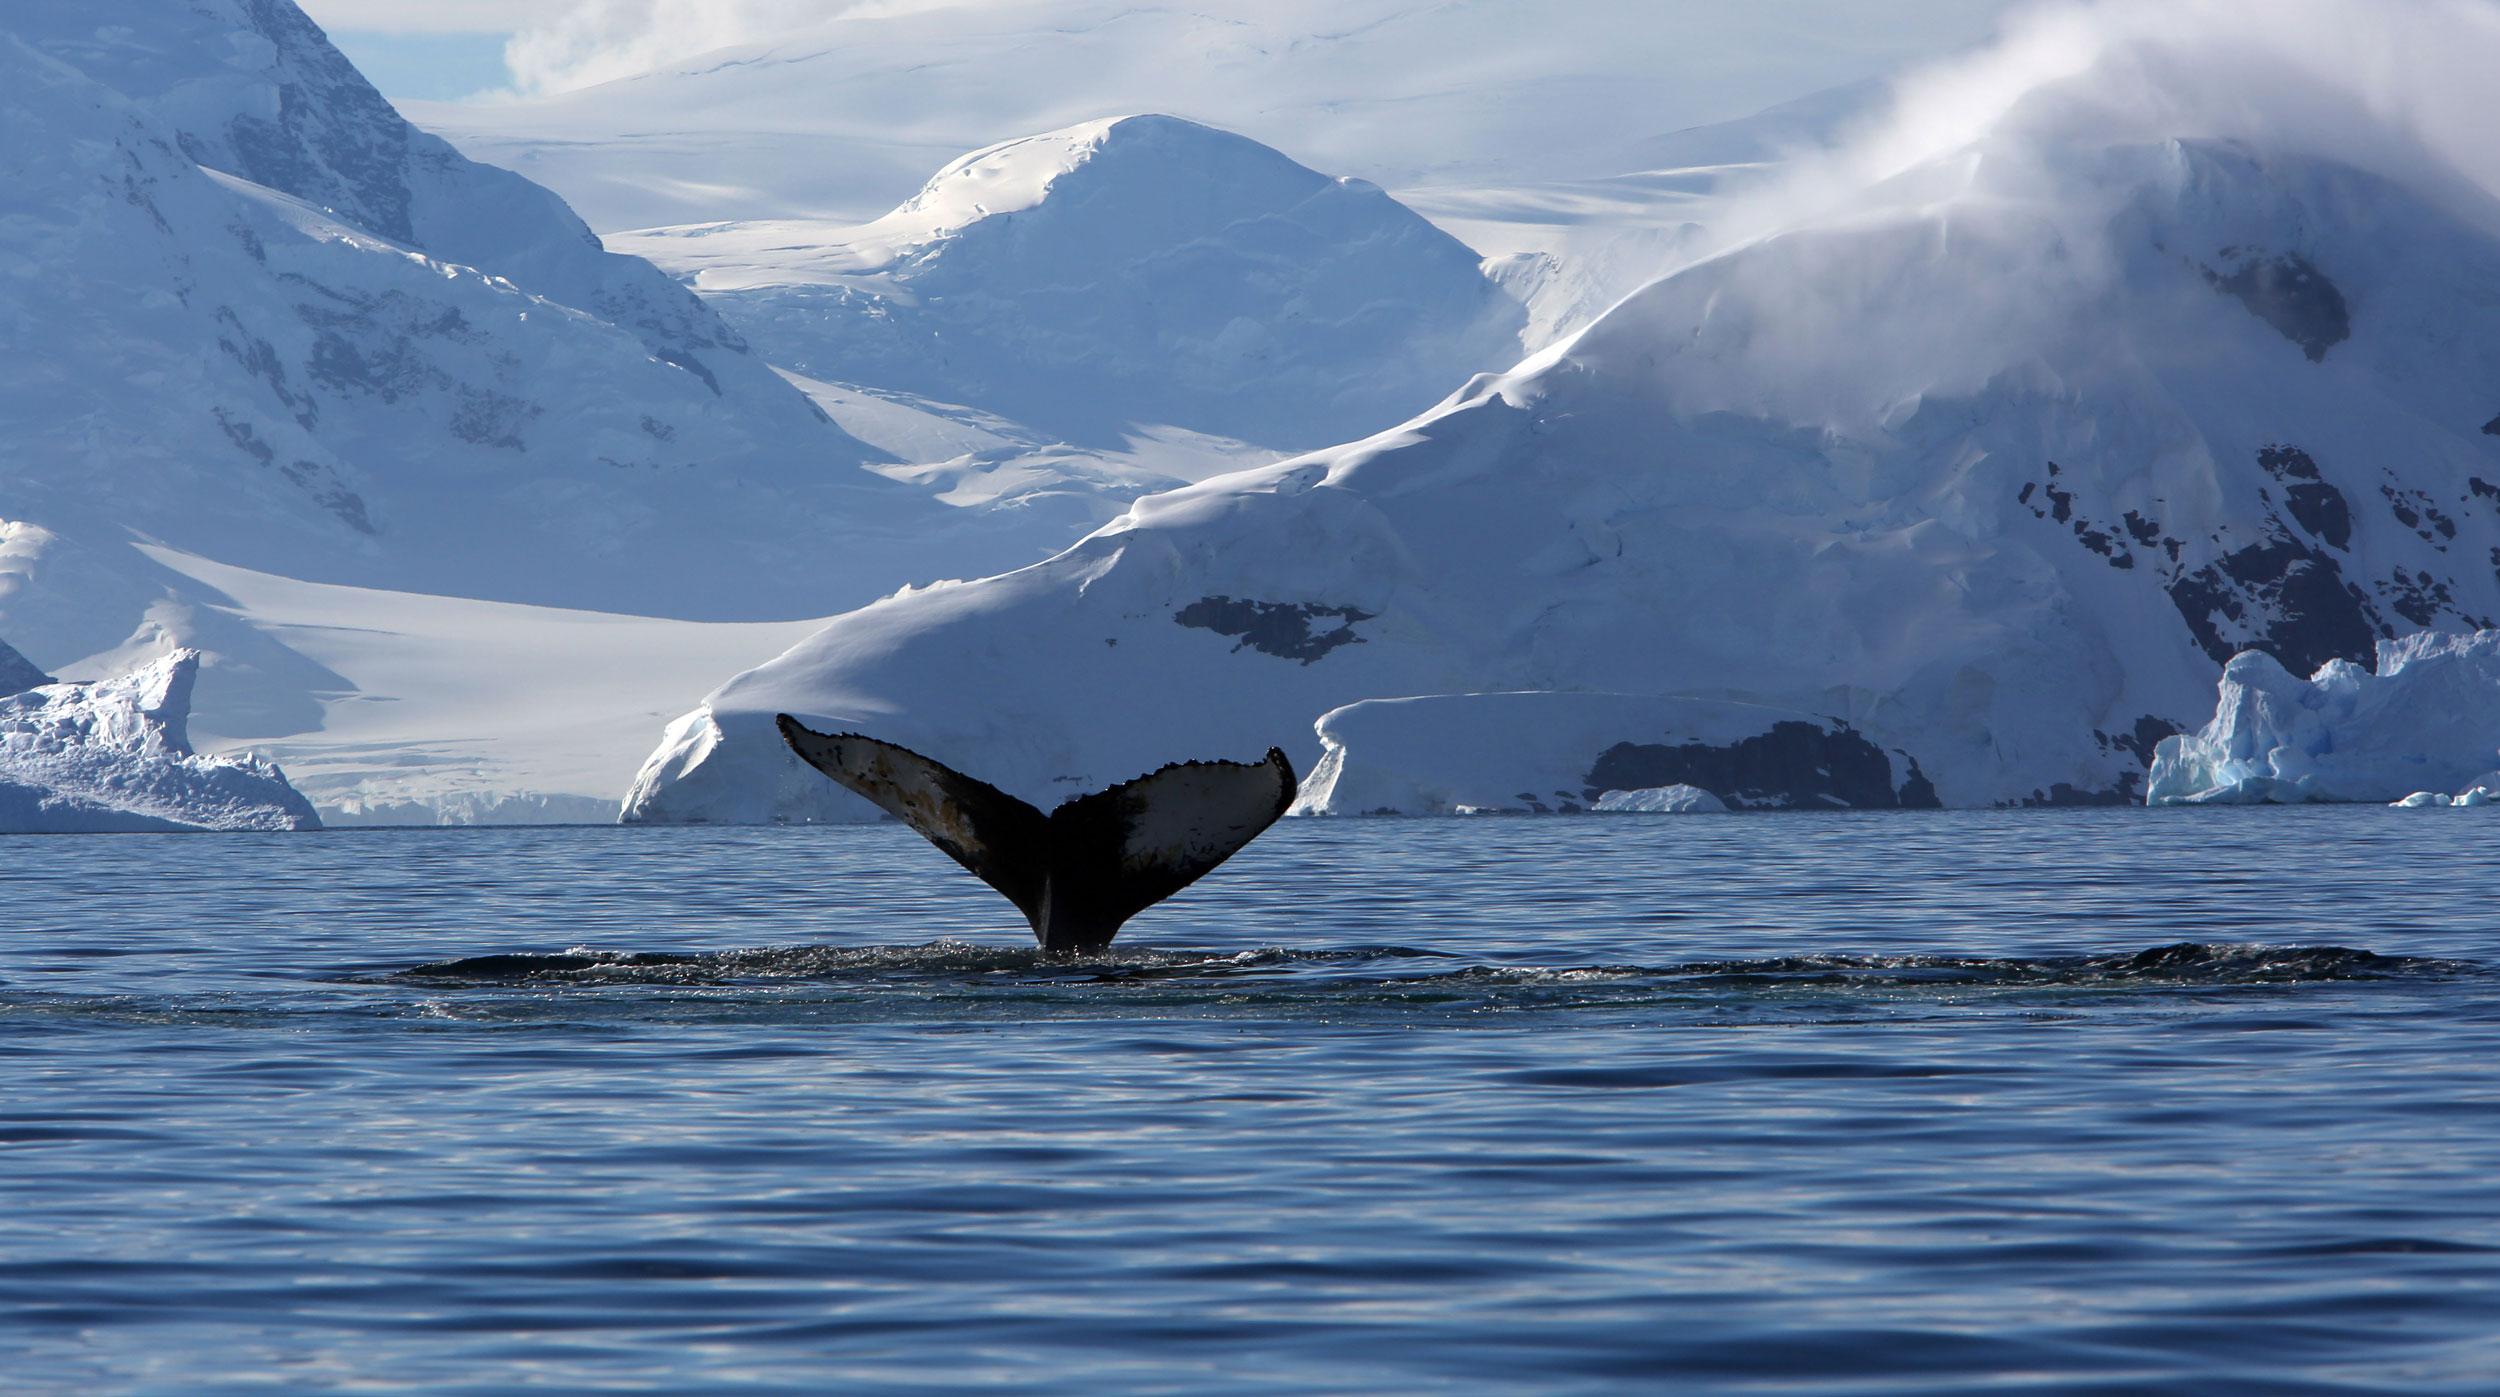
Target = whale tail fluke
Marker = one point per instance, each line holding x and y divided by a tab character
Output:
1081	871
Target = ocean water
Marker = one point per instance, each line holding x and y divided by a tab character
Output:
2077	1101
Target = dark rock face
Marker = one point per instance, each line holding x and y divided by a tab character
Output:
2104	541
2418	512
1282	629
2418	597
1795	766
2315	505
2140	742
17	673
2290	294
333	140
2314	615
2284	594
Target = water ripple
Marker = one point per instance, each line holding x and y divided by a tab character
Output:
2086	1101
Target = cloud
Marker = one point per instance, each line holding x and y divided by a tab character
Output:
2398	87
1660	42
435	16
595	41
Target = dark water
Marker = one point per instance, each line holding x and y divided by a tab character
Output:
1910	1103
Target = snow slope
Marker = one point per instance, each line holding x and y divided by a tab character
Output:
113	755
445	710
351	355
2124	350
978	460
1133	271
2428	719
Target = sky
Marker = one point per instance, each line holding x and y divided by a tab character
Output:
455	50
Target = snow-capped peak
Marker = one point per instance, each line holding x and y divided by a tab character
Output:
1138	270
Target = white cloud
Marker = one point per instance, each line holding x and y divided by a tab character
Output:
2400	87
435	16
593	41
1662	41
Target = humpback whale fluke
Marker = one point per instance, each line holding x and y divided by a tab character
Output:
1086	867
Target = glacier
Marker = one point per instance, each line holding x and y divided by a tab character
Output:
1996	450
2424	725
114	756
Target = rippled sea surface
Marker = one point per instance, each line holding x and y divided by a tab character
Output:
2098	1101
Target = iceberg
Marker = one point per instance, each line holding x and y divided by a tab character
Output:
2425	724
113	755
1661	800
2422	800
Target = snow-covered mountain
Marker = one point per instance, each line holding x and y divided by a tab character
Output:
1132	271
268	322
2127	349
252	316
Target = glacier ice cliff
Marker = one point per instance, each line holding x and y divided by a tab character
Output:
113	755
